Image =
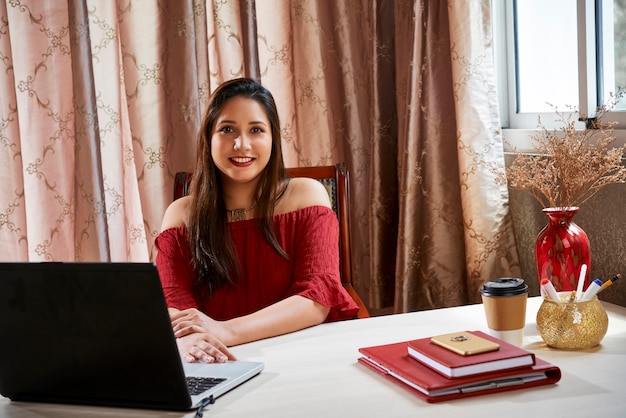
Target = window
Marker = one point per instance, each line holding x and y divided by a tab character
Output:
558	53
546	55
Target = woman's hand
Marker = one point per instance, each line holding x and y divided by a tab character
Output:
199	337
202	346
192	320
188	321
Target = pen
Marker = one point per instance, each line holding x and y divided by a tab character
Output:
609	282
591	291
581	282
549	289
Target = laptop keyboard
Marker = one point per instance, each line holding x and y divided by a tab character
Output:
197	385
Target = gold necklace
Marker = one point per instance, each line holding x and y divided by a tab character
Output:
239	214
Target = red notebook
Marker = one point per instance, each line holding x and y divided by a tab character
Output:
393	362
454	365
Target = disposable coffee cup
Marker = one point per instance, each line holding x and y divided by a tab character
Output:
504	301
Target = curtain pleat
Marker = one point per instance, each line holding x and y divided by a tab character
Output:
488	229
91	228
13	229
225	42
431	252
42	118
249	38
382	208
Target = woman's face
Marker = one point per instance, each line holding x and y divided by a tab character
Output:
241	141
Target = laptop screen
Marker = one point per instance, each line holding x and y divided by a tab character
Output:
90	333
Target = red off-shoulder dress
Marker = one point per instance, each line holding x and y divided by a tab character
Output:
309	236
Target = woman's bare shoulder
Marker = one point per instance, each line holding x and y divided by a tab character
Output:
176	213
303	192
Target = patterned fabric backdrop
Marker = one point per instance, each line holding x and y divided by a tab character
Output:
101	101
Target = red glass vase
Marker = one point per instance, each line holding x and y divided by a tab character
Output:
561	249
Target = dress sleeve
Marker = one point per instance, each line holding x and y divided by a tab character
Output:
174	266
316	270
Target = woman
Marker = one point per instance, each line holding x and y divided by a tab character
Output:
250	253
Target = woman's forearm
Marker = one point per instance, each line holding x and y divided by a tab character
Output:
288	315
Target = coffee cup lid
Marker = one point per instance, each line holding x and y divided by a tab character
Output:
507	286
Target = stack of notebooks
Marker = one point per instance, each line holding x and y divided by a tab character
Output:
458	365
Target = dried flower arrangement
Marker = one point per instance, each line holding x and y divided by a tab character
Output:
571	165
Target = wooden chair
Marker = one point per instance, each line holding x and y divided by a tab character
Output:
336	179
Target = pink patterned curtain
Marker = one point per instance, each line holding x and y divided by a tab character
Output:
100	103
96	115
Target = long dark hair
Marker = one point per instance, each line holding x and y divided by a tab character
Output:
212	252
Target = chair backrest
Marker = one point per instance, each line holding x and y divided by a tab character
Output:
337	182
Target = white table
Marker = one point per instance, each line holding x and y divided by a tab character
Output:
314	373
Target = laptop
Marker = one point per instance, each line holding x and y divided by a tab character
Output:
99	334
